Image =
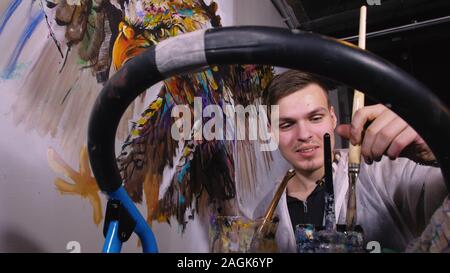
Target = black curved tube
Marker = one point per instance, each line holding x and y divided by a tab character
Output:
272	46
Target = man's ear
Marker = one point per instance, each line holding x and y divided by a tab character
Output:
333	117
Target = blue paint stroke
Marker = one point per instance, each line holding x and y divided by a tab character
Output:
26	34
186	12
8	13
181	200
183	172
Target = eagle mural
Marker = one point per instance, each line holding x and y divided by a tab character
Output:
103	35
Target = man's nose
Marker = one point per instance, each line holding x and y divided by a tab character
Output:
303	132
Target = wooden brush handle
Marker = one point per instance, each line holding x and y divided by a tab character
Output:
354	155
273	204
362	27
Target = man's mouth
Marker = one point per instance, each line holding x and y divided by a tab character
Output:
306	150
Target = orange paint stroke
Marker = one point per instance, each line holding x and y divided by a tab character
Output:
83	183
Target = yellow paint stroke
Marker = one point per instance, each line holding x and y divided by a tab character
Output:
83	183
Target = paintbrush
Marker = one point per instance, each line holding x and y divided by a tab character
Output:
262	231
354	155
330	218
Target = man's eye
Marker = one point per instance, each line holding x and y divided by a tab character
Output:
285	125
316	118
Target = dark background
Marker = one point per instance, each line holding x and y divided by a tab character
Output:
422	51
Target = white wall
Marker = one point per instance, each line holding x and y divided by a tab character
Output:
257	12
249	12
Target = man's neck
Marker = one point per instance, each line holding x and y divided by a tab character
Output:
304	183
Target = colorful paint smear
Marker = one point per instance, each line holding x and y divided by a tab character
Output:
235	234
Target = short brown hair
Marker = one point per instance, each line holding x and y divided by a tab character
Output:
289	82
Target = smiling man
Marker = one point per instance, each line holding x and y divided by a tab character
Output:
396	195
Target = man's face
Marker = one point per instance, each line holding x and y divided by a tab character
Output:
304	119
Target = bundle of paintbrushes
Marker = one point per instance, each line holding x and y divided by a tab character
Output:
331	237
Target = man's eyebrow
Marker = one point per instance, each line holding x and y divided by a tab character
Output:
284	119
318	110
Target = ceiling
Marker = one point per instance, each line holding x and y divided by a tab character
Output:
339	18
418	39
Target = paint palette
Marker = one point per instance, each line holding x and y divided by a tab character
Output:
234	234
310	239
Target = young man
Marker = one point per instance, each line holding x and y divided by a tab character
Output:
396	195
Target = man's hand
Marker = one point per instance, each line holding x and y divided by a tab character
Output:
387	134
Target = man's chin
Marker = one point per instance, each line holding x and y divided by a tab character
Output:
307	166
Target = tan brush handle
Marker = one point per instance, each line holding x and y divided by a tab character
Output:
354	155
273	204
